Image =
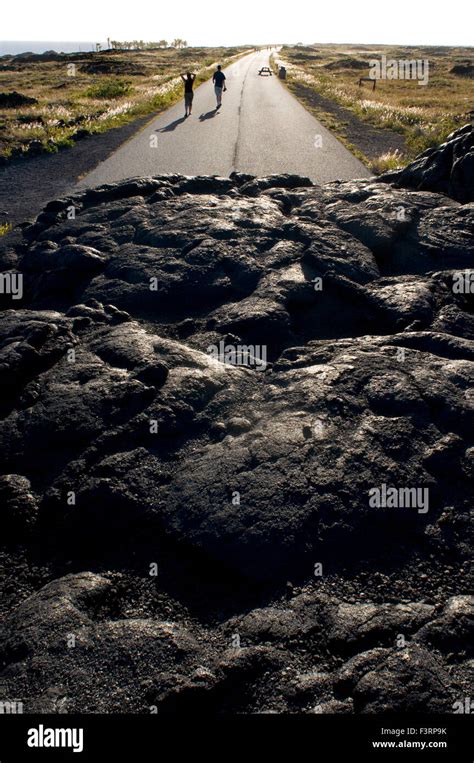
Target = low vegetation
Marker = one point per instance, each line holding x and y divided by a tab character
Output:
47	102
108	90
5	228
391	160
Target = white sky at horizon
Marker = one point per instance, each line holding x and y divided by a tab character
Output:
404	22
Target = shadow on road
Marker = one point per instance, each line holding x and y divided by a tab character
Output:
208	115
172	125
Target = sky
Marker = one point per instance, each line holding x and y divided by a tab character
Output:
234	22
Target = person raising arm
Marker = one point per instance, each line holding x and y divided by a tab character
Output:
188	80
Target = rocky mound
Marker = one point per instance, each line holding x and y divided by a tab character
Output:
463	70
15	100
48	55
306	56
237	419
447	169
347	63
111	66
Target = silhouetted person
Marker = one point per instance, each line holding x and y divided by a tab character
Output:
188	92
219	85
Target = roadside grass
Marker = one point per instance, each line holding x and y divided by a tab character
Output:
423	115
391	160
137	84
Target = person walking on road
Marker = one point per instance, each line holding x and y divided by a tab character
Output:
219	85
188	92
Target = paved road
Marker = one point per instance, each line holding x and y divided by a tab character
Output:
261	129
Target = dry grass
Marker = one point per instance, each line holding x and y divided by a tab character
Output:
423	115
141	82
391	160
5	228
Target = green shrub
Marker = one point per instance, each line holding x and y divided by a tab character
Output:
109	89
421	139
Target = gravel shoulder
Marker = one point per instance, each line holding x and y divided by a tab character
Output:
365	138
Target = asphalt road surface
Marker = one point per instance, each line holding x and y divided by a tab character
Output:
260	129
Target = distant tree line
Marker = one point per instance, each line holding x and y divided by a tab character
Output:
142	45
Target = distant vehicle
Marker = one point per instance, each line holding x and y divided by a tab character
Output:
265	70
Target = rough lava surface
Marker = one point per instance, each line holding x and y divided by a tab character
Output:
130	450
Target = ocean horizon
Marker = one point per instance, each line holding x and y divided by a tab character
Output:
14	47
